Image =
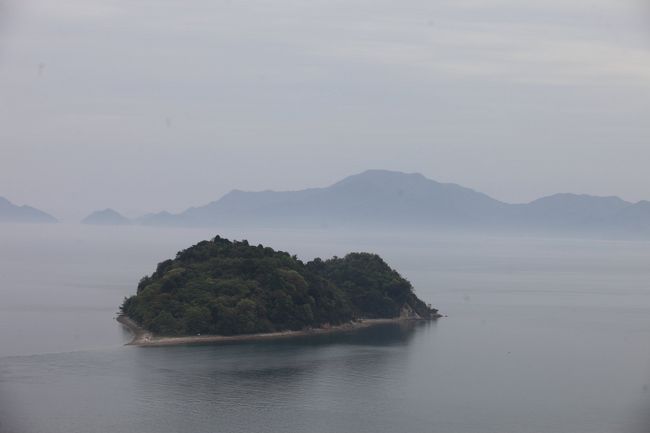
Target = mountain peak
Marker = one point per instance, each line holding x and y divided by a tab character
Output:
382	176
10	212
387	198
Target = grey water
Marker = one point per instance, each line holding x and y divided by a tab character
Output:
541	335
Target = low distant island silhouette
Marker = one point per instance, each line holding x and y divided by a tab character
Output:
390	199
106	217
221	289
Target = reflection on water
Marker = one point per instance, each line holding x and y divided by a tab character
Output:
246	386
276	366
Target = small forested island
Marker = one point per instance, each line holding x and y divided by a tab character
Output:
230	288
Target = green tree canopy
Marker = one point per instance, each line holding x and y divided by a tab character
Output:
225	287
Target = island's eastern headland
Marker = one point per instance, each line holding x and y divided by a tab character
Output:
224	290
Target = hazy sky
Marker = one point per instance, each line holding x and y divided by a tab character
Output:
158	104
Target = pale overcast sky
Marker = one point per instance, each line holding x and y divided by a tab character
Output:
162	104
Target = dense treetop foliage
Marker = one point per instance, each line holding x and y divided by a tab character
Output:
227	288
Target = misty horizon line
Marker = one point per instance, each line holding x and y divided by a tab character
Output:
298	190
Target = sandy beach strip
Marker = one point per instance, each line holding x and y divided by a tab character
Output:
142	337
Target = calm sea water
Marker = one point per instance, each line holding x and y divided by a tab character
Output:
541	336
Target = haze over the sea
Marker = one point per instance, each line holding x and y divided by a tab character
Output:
149	105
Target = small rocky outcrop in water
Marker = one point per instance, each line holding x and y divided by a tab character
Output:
229	288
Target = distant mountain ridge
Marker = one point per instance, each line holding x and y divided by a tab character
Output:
375	196
10	212
381	198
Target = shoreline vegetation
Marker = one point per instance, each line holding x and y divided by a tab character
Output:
144	338
222	290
